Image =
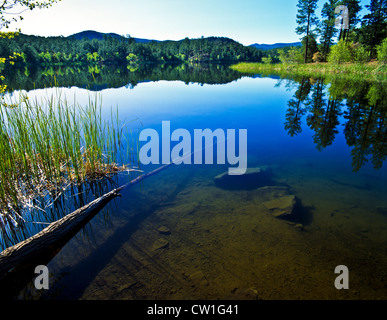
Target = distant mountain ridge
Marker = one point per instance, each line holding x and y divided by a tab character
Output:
275	45
90	34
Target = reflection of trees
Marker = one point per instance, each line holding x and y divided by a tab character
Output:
101	77
364	115
366	128
296	108
323	117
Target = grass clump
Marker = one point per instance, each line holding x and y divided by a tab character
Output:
48	145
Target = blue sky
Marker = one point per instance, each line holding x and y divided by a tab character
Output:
246	21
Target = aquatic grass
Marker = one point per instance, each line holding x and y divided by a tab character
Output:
50	144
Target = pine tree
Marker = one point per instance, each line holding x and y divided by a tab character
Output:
354	8
306	20
374	25
328	27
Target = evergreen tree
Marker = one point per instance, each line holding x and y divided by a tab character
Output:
328	27
354	8
374	25
307	21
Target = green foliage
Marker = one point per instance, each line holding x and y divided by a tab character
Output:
307	21
341	52
132	59
309	47
48	145
348	52
353	71
374	25
267	60
306	17
360	53
126	51
328	29
354	8
360	44
93	57
293	55
382	51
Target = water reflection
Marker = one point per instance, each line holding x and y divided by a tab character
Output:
97	78
220	227
321	104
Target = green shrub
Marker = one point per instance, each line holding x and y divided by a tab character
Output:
294	55
132	58
360	53
341	52
267	60
382	51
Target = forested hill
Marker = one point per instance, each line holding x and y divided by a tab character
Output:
91	35
112	49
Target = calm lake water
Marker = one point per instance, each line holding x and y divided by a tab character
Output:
182	234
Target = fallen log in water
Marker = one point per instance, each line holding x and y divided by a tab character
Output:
18	262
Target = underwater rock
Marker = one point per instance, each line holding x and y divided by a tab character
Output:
160	244
298	226
198	279
281	207
271	192
252	179
248	171
164	230
243	294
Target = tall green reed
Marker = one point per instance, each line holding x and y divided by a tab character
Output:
50	144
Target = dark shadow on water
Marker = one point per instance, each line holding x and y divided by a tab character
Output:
301	214
74	283
71	284
382	211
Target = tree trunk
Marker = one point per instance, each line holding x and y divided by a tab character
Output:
307	39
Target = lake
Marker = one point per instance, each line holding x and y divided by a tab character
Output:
189	233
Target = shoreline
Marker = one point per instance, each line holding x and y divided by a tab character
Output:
367	71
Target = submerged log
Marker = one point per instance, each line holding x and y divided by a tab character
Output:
18	262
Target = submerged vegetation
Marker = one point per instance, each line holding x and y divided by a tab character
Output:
47	146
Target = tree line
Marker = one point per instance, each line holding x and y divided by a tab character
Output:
27	49
363	39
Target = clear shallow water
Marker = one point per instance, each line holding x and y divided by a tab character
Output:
222	242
